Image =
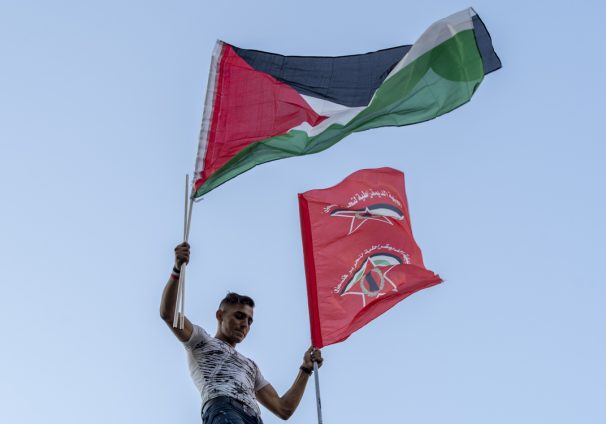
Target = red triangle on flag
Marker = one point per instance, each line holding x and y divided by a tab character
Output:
250	106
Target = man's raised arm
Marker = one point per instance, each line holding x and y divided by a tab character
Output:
284	406
169	296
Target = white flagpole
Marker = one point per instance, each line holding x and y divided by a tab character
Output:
318	402
179	318
182	276
181	300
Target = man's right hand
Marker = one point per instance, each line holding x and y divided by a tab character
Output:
169	296
181	254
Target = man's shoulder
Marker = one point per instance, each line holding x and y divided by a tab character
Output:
198	338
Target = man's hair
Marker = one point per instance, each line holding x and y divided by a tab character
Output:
236	299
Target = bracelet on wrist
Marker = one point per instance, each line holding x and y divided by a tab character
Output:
306	370
175	274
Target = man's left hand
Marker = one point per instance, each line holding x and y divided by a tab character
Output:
312	355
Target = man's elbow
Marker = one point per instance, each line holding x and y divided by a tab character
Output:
166	315
285	412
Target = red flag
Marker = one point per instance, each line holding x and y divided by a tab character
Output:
360	255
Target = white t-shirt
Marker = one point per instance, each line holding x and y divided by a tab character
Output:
219	370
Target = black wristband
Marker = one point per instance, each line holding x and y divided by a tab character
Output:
176	271
306	370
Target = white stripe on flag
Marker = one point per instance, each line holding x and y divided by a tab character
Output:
337	114
435	35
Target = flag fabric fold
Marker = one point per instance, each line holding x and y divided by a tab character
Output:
360	255
263	106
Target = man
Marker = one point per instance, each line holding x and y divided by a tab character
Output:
230	383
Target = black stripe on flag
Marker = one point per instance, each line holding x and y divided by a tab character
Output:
489	57
346	80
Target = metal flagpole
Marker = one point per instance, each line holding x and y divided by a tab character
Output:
179	318
317	379
191	207
180	299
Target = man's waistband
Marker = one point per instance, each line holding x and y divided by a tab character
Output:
231	401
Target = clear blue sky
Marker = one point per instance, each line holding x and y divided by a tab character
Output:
99	118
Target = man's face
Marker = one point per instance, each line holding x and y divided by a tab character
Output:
234	323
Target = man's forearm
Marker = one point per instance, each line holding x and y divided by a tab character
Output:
292	398
169	298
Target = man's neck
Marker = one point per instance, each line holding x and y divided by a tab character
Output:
224	339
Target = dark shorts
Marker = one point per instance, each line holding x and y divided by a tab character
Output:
226	410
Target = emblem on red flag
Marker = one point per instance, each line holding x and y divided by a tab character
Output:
381	212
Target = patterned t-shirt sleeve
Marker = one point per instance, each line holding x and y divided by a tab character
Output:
198	335
260	381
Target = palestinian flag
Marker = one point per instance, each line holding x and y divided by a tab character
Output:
263	106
